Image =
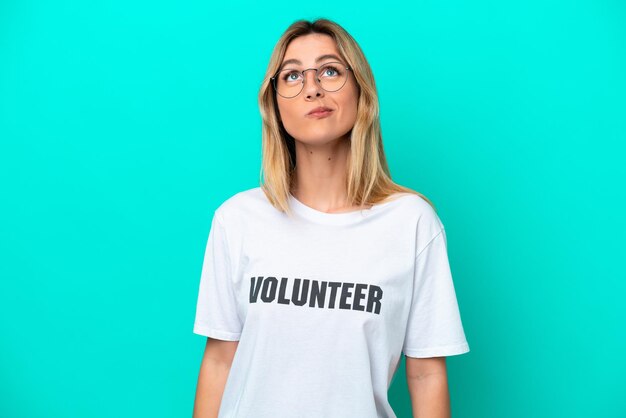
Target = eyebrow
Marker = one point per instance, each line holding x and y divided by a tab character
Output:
318	59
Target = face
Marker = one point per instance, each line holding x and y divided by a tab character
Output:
343	102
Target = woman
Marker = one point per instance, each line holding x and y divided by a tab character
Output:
314	283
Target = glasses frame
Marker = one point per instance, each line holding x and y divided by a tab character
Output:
273	79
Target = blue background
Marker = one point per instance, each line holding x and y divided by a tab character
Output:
123	125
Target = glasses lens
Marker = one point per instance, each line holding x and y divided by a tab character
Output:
288	83
332	76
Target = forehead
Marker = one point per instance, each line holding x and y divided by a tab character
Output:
308	48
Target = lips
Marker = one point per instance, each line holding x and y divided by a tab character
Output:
320	111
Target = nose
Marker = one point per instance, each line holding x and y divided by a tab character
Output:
311	87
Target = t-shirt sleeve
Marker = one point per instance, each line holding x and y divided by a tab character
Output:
216	309
434	328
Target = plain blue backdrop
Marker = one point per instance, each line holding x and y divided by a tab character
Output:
123	125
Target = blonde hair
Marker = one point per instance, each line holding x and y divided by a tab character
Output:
368	179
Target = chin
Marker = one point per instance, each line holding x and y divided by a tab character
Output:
322	136
318	139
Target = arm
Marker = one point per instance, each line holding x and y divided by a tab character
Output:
428	387
216	362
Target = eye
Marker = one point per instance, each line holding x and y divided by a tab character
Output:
330	71
290	75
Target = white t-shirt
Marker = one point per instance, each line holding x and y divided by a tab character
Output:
323	304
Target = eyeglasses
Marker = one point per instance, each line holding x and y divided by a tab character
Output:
331	76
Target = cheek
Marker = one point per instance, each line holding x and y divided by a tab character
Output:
288	115
283	111
349	108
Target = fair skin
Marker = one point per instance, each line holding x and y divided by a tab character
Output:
427	380
216	361
322	146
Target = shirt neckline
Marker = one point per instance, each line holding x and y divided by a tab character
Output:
340	218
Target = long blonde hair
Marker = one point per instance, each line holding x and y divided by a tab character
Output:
368	178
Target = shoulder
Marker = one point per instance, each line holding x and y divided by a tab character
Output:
235	205
417	212
416	206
